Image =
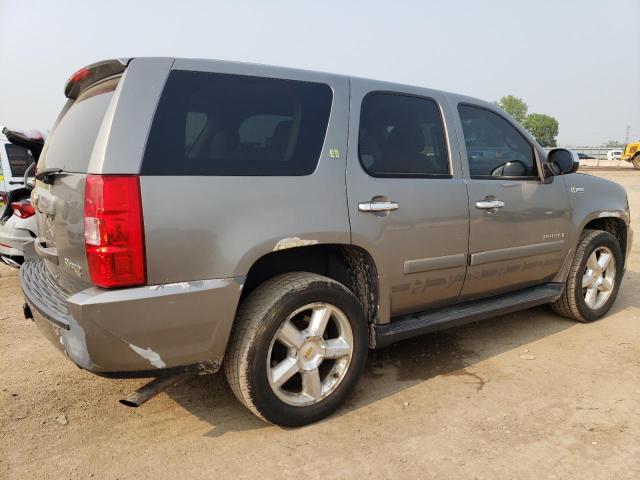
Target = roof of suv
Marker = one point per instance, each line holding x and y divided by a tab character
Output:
80	79
285	70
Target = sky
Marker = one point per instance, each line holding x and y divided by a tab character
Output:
578	61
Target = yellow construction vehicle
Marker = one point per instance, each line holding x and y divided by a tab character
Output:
631	153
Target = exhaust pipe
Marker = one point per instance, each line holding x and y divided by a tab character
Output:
149	390
10	261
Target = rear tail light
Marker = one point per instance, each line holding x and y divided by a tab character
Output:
23	209
114	230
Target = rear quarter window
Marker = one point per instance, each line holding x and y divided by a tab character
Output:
232	125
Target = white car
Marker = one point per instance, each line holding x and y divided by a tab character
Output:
14	161
17	230
19	152
614	154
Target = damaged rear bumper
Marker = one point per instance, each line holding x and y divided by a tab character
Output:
142	331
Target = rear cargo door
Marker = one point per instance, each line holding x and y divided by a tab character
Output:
59	197
102	129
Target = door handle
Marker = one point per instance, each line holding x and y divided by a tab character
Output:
489	204
373	206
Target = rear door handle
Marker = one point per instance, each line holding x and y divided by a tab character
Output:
489	204
377	206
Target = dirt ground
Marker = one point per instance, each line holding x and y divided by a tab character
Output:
527	395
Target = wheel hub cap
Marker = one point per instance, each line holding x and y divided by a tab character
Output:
599	277
311	354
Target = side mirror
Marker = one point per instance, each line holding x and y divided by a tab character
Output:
514	168
563	161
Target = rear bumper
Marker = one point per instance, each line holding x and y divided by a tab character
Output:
134	331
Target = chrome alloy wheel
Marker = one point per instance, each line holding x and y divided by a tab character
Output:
599	277
310	354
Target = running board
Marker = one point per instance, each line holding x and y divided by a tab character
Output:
421	323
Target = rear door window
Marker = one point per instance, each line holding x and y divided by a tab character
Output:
402	136
19	159
227	125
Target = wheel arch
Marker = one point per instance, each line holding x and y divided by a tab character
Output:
350	265
610	221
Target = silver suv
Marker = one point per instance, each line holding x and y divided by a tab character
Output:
199	214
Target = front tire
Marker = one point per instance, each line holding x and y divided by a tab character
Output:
636	161
298	346
594	279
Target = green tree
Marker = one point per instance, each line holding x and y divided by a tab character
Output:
514	106
543	127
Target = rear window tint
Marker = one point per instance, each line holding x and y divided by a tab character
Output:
231	125
402	136
19	159
70	144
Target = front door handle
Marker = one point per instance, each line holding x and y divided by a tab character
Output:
374	206
489	204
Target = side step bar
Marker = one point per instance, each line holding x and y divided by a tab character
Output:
421	323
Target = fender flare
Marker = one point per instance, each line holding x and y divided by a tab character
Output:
606	213
562	274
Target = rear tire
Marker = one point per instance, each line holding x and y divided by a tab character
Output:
298	346
593	281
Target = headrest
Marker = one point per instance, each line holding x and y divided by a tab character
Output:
281	134
406	138
225	141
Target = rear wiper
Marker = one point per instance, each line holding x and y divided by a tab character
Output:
47	174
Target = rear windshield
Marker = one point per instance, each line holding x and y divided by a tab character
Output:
19	159
70	144
218	124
